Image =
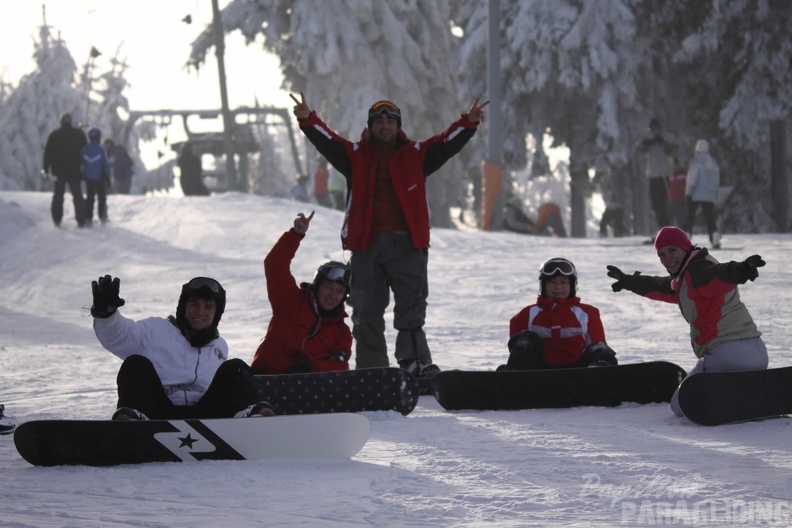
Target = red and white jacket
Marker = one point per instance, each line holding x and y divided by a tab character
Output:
566	327
409	165
296	332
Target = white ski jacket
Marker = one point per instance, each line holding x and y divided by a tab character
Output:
185	371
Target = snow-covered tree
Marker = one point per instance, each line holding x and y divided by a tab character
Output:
347	54
32	110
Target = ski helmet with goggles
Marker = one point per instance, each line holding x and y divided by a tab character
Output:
384	107
333	271
557	266
202	288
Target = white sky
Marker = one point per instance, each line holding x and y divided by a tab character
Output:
153	41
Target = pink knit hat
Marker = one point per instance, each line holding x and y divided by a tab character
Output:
672	236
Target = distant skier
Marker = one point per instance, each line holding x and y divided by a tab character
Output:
96	172
121	166
178	367
7	425
62	158
722	332
558	331
191	176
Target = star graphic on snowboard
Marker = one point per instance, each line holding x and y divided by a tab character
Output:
187	441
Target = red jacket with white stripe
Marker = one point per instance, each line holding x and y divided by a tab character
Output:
296	332
566	327
409	165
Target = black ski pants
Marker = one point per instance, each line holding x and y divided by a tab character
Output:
140	387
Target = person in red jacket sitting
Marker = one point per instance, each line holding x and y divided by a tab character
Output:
558	331
307	332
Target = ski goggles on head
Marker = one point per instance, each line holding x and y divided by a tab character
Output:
384	107
554	266
340	275
204	282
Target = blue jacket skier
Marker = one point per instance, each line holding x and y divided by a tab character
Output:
96	173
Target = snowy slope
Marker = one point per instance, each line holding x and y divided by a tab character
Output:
631	465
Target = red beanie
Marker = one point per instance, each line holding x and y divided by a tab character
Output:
672	236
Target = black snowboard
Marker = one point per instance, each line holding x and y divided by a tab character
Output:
107	443
717	398
371	389
557	388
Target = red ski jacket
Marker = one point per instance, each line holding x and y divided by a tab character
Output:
296	332
409	166
566	327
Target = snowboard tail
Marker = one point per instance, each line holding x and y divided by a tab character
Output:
719	398
370	389
108	443
651	382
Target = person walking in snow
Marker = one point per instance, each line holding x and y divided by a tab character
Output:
659	152
701	190
191	176
307	332
386	226
722	332
558	330
322	184
62	159
175	367
7	425
96	173
121	166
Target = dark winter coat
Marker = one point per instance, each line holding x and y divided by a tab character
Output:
62	153
566	327
297	336
95	166
410	164
121	163
708	298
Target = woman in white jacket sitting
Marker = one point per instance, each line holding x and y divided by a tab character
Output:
175	367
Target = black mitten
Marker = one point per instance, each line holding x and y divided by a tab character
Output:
623	281
105	296
302	366
748	268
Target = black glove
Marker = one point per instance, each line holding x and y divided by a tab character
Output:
748	267
105	296
301	367
623	281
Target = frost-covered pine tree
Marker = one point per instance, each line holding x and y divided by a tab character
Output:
347	54
32	110
569	68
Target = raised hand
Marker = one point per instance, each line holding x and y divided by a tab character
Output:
476	112
105	296
302	222
301	109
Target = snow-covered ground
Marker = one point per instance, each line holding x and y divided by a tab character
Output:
630	465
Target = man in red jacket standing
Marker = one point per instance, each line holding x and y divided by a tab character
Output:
307	332
387	224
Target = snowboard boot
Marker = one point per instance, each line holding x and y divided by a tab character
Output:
7	426
256	410
127	413
420	368
598	355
